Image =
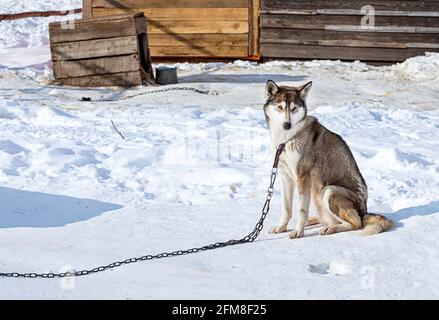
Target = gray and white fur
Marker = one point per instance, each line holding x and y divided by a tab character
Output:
320	164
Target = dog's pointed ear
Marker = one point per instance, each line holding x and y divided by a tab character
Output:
271	89
304	90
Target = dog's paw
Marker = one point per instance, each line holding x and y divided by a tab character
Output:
277	229
326	231
295	234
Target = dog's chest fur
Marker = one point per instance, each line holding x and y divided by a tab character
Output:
290	161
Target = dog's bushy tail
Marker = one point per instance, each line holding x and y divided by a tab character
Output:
375	223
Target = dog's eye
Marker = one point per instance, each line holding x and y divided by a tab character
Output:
293	109
280	107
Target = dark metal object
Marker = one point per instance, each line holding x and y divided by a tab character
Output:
166	75
206	92
249	238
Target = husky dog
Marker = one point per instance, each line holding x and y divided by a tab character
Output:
322	166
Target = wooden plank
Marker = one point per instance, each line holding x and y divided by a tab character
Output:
394	29
288	21
79	68
383	5
211	52
359	28
94	48
124	79
423	45
170	3
274	35
141	25
103	19
145	57
296	51
178	27
86	8
89	30
253	36
344	43
352	12
380	12
226	14
198	39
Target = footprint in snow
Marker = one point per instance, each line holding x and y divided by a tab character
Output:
330	268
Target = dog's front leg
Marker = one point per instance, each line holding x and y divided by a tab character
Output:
304	190
287	191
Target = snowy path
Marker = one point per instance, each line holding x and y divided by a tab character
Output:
193	170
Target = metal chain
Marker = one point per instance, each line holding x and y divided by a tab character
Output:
249	238
207	92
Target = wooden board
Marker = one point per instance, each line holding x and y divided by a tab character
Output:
350	12
89	30
104	51
130	16
179	27
94	48
193	28
332	29
86	8
253	35
276	35
357	43
96	66
298	51
204	14
384	5
187	51
319	21
197	39
393	29
170	3
124	79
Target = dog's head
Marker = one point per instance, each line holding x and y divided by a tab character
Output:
285	106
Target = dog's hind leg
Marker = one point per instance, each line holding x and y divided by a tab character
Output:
287	190
338	202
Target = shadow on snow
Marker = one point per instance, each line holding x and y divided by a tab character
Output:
207	77
19	208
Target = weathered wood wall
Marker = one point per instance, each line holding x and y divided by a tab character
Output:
332	29
191	28
106	51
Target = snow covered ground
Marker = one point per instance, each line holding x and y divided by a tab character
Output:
193	170
31	32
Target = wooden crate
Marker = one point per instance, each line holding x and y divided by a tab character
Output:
105	51
192	28
331	29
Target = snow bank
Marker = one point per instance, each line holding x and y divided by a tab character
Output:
421	68
31	32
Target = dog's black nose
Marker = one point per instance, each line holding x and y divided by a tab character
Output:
287	125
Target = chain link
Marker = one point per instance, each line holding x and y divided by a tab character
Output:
249	238
206	92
